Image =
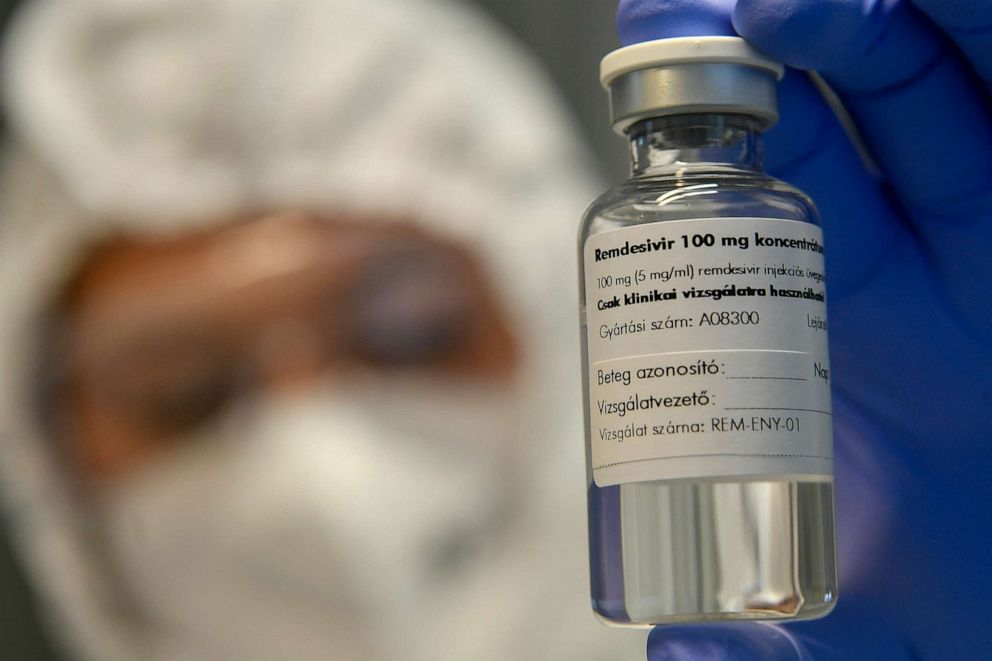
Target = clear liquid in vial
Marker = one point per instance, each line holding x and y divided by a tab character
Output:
715	548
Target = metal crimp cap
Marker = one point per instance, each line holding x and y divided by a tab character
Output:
690	75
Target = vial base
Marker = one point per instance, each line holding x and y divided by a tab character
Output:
668	552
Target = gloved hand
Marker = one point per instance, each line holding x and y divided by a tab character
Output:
909	263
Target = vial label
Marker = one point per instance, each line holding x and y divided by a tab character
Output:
707	349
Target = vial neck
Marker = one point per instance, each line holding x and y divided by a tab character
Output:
681	141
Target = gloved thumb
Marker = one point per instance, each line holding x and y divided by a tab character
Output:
725	642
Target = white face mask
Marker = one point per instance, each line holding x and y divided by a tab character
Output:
315	526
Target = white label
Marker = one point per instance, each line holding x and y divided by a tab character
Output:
708	351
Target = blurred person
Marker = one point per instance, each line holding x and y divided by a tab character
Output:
287	371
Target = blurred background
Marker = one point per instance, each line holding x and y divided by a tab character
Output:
569	40
566	40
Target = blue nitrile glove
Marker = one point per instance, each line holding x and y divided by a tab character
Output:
909	263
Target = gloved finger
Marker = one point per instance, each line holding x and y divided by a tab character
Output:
723	642
921	110
919	107
808	147
645	20
856	629
969	24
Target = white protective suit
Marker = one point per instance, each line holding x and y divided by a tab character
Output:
146	116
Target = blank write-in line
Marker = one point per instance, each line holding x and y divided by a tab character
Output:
751	408
770	378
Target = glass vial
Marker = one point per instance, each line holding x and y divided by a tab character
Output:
706	378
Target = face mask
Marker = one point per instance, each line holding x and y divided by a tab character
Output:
317	525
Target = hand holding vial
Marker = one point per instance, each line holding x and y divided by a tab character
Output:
907	229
